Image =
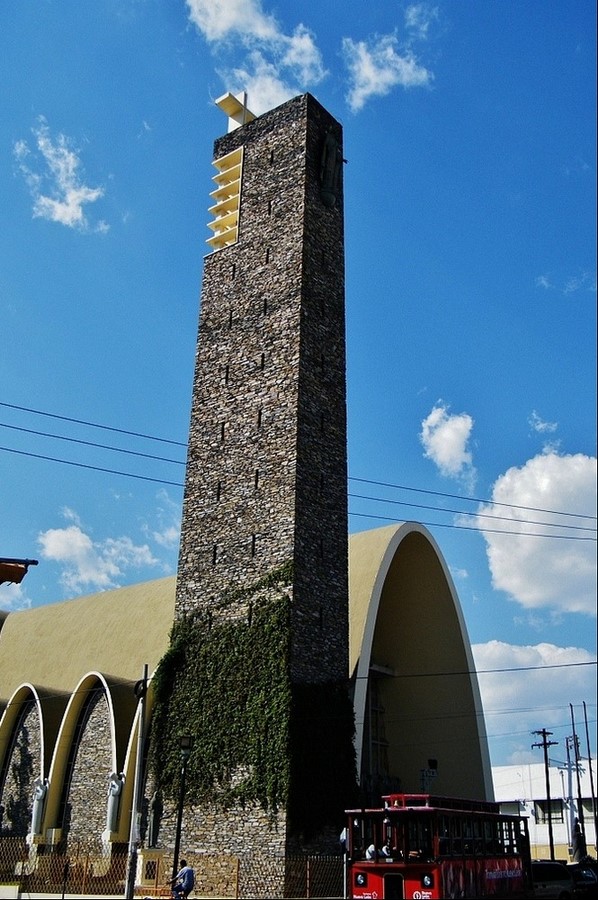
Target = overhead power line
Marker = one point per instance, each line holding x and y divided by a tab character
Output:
39	412
553	537
61	437
443	674
373	499
403	487
69	462
180	484
462	512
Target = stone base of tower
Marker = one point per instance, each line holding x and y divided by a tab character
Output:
301	813
244	852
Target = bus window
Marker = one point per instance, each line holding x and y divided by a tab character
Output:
399	840
467	837
456	839
419	839
444	836
489	839
478	843
507	838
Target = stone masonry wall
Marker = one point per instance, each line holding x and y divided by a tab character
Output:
23	766
266	471
266	479
85	810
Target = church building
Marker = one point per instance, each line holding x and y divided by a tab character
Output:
301	670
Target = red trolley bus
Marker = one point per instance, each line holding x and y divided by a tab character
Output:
424	847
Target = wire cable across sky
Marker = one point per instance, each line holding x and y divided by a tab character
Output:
583	532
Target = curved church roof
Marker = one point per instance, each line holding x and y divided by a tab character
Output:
114	632
407	640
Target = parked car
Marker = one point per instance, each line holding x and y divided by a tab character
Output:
585	878
552	880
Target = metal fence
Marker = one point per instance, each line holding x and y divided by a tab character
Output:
87	871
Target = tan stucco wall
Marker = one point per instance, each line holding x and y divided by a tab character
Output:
406	619
114	632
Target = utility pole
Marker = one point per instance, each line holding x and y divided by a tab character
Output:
580	815
569	745
545	744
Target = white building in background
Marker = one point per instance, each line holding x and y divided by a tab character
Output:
521	789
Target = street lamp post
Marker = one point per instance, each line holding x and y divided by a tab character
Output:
186	745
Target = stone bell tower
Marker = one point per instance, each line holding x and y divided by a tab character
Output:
266	479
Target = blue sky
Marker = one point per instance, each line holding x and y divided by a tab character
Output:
470	200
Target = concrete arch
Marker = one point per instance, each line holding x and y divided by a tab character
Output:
408	635
131	760
9	723
22	757
121	702
50	707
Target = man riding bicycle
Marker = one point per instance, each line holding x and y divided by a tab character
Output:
182	884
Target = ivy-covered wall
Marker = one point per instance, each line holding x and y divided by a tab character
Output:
227	684
258	738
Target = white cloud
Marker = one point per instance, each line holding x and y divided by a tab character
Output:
88	564
13	598
419	18
302	56
538	424
378	65
243	18
167	530
543	281
528	696
278	65
70	515
262	83
541	573
58	193
582	281
445	439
